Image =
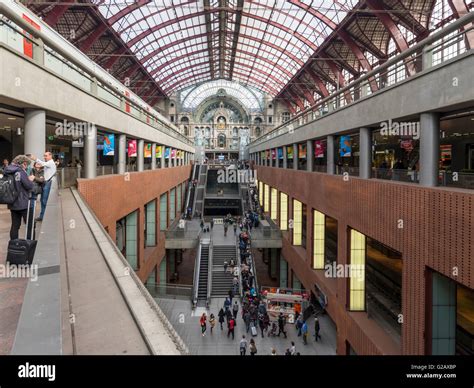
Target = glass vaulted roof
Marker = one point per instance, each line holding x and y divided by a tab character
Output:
256	42
250	98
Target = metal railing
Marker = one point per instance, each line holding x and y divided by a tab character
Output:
175	291
209	272
48	48
197	268
392	72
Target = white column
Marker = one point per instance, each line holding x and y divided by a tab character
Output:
140	159
35	132
122	150
90	154
153	156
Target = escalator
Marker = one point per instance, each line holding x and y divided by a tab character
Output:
203	276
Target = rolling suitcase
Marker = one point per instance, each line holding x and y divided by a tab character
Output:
22	251
253	330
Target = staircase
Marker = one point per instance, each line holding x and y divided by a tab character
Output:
221	282
203	275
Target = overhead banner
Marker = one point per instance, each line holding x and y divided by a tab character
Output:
132	148
262	154
302	151
345	146
280	153
147	151
167	153
173	152
274	153
319	149
159	151
289	152
109	145
267	154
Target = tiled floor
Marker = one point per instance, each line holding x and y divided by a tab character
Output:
186	323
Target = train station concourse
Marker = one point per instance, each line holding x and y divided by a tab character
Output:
237	177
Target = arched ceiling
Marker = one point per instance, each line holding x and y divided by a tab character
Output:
257	42
295	50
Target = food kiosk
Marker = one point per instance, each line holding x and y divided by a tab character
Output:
284	300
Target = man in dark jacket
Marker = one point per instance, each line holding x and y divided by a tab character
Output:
23	186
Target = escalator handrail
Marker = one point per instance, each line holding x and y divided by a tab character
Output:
209	269
197	268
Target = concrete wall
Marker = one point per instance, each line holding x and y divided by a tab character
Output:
112	197
442	88
25	84
437	233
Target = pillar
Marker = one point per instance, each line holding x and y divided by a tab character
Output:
309	155
330	155
429	149
122	150
163	164
295	156
90	154
140	161
365	154
153	156
35	132
285	158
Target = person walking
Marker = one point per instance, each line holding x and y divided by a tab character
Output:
212	321
227	304
261	323
299	325
231	326
235	309
225	266
23	185
203	324
212	224
304	330
243	345
221	316
202	225
317	328
231	296
253	348
235	228
225	229
247	320
281	324
49	172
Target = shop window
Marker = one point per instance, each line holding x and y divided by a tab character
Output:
319	227
150	224
357	271
127	238
303	226
297	222
274	204
172	204
178	198
164	211
266	198
283	211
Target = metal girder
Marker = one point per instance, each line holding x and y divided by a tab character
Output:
207	6
459	9
359	55
235	38
192	66
87	43
300	89
57	12
125	11
296	99
222	35
158	27
344	35
340	78
288	101
383	15
318	81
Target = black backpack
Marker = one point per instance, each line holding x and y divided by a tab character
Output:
8	192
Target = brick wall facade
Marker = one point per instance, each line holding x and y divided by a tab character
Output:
113	197
437	233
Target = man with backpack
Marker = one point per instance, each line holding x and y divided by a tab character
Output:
15	190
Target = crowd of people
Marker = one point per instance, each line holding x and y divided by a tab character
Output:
32	178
